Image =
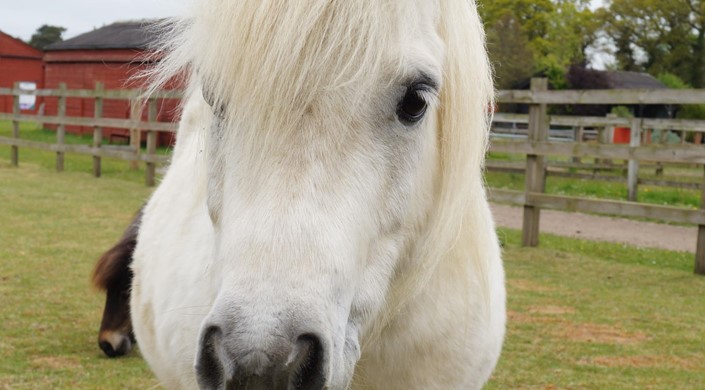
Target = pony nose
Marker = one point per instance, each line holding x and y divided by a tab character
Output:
114	343
279	364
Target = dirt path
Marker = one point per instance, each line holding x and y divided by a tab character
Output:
598	228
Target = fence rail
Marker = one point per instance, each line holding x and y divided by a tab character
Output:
598	96
537	147
134	124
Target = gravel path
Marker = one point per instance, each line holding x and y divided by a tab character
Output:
599	228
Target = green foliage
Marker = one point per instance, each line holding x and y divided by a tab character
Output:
554	32
509	52
672	81
658	36
46	35
622	112
554	70
689	111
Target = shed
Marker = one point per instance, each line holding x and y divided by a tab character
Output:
111	55
19	62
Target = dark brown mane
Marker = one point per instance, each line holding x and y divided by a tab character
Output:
113	268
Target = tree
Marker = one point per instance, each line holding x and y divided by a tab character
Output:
659	36
557	32
509	52
46	35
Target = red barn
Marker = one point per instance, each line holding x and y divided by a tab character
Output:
19	62
112	55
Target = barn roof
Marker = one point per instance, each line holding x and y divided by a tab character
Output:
608	79
139	34
14	47
632	80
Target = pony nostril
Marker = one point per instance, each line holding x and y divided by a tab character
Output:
107	348
116	347
306	363
210	372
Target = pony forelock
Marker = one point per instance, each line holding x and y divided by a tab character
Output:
245	54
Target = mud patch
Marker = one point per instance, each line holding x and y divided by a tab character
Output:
646	361
599	333
551	310
528	318
545	314
56	363
528	285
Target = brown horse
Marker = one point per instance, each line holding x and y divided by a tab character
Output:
112	274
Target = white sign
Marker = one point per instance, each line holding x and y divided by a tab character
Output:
27	102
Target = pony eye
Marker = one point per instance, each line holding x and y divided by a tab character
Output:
413	106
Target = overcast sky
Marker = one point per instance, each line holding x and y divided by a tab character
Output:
20	18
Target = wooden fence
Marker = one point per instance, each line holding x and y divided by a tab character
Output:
135	125
537	146
600	129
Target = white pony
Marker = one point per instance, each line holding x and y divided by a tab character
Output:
323	223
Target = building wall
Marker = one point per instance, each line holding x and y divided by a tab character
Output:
18	62
82	69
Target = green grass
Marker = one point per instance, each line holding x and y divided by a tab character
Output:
582	315
53	228
113	168
588	315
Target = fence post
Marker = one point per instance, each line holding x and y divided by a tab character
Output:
700	251
97	130
662	141
535	173
135	133
151	142
61	129
607	137
633	166
15	155
579	133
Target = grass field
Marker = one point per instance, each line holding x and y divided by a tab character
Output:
582	315
113	168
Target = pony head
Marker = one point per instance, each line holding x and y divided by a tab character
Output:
343	153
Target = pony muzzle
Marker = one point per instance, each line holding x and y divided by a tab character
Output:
115	343
228	359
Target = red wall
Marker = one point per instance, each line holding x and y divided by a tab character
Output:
81	69
18	62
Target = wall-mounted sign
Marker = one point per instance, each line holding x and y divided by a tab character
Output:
27	102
